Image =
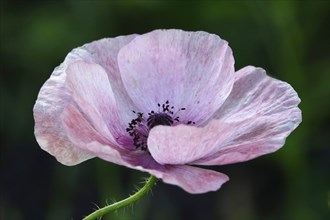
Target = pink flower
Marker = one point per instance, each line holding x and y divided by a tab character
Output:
162	102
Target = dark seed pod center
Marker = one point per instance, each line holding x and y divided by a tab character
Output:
159	119
140	126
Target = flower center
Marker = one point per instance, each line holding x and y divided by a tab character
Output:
140	126
159	119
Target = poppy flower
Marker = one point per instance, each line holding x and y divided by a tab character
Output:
166	102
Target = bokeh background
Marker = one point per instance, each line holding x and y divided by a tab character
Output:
290	39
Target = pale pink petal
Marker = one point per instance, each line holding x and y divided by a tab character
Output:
191	179
79	129
184	144
271	104
85	137
104	52
192	70
53	97
268	113
254	93
91	91
48	130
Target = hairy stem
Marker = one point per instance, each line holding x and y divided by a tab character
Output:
125	202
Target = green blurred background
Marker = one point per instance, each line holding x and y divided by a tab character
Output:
290	39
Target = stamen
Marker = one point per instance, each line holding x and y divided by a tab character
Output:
139	127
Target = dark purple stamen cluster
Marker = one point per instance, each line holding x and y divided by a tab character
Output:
133	131
163	117
138	128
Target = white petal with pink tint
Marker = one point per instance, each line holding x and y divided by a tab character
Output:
192	179
256	94
105	52
269	113
53	97
194	70
184	144
49	132
83	134
271	104
91	90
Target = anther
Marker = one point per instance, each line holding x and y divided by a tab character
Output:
139	126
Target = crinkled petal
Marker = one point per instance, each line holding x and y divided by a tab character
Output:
53	97
192	179
91	91
184	144
256	94
192	70
271	104
105	52
49	132
83	135
267	113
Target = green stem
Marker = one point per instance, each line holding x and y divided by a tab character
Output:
125	202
